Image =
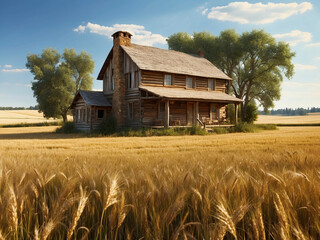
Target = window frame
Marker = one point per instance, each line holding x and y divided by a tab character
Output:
166	79
192	82
213	87
99	110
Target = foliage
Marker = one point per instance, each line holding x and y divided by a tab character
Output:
108	126
254	60
58	78
251	114
148	132
244	128
291	111
67	127
20	108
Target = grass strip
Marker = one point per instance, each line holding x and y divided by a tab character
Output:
40	124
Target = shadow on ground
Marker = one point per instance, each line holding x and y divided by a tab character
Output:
39	135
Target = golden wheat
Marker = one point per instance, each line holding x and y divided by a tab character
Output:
238	186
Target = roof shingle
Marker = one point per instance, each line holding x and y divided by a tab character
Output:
181	93
163	60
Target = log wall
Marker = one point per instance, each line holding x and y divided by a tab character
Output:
178	113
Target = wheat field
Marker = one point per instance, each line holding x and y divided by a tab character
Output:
261	185
23	116
278	119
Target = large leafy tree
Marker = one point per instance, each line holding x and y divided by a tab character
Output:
254	60
57	78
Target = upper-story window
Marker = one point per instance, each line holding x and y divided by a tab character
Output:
212	84
190	82
168	79
129	80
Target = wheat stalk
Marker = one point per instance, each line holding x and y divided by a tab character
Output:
82	203
225	220
12	209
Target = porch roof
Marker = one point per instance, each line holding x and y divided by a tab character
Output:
190	94
92	98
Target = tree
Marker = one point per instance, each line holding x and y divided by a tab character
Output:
58	78
254	60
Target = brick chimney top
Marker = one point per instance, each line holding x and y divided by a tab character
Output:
122	38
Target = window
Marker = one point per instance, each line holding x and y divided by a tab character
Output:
130	111
214	112
88	115
212	84
79	115
167	80
100	113
128	80
190	83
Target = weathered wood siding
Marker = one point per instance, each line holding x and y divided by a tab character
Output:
221	85
108	81
149	112
179	80
178	113
204	110
157	79
152	78
86	117
201	83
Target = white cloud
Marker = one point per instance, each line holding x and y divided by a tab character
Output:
294	37
7	66
140	35
257	13
304	67
204	11
15	70
317	44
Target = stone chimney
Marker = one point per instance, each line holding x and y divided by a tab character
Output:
122	38
119	105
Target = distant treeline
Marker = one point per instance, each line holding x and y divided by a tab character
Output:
292	111
20	108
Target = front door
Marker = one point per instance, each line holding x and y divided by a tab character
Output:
190	114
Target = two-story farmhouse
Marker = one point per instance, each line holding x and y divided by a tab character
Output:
148	86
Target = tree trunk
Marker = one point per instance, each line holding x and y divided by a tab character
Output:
64	116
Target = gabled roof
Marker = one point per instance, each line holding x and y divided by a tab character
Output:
170	61
92	98
181	93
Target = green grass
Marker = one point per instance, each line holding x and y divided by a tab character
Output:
298	124
40	124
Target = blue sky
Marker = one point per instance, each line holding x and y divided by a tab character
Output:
29	26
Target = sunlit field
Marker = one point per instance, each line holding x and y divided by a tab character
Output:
262	185
277	119
22	116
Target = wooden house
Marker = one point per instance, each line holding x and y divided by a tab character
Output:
90	108
148	86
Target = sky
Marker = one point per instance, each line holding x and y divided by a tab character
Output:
29	26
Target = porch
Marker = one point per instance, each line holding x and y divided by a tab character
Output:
169	107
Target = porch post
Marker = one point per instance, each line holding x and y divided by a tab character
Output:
166	114
197	113
236	113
